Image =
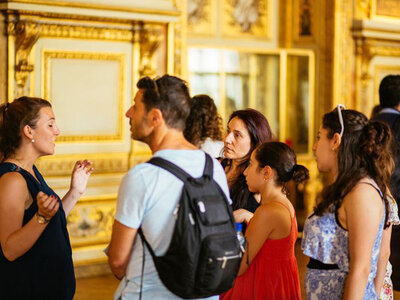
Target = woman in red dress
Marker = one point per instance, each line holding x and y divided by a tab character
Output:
269	268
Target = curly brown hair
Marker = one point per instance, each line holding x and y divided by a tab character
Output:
203	121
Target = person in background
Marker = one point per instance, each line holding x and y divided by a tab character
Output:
204	126
269	268
389	103
343	235
35	252
247	129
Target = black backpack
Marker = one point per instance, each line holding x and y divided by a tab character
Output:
204	255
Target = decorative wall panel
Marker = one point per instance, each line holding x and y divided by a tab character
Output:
95	87
389	8
245	18
85	57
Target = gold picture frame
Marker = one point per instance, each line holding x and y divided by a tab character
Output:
49	55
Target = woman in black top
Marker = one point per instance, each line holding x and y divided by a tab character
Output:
246	129
35	252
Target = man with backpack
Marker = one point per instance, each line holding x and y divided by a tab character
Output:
389	112
150	207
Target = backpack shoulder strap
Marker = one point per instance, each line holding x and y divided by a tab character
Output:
170	167
208	167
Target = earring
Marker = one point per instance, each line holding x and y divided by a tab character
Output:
333	149
33	140
265	179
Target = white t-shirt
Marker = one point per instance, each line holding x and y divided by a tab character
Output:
213	148
147	197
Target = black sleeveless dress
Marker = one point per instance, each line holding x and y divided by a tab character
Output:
46	271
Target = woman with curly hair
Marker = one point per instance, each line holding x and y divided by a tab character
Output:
203	126
343	235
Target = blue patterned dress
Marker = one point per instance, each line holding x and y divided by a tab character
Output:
325	240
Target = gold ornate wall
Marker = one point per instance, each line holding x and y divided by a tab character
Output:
86	57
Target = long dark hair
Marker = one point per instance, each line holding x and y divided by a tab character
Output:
282	159
260	131
364	151
13	117
203	121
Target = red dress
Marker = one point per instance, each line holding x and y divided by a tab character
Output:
273	273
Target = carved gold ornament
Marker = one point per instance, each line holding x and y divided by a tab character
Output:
150	40
26	34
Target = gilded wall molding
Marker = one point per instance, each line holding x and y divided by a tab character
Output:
150	40
90	223
343	55
180	34
61	165
48	55
85	32
26	33
305	18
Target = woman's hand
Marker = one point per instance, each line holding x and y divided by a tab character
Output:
242	215
80	176
47	205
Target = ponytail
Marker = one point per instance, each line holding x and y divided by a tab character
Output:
282	159
300	173
375	151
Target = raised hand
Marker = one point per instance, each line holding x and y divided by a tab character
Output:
47	205
80	176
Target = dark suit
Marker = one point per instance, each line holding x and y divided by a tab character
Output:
392	118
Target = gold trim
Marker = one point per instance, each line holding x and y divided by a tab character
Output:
170	48
88	261
311	125
90	223
378	17
26	33
104	163
85	32
47	55
99	6
150	40
98	198
277	51
282	95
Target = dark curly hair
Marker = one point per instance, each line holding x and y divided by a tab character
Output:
13	117
203	121
364	151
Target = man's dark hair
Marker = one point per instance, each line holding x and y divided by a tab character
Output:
170	95
389	91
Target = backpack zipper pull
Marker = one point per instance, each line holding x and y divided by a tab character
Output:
224	260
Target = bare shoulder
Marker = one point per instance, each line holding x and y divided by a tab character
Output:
13	185
272	212
13	179
364	192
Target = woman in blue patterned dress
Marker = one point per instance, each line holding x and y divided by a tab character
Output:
343	235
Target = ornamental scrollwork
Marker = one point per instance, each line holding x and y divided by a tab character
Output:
26	34
150	40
